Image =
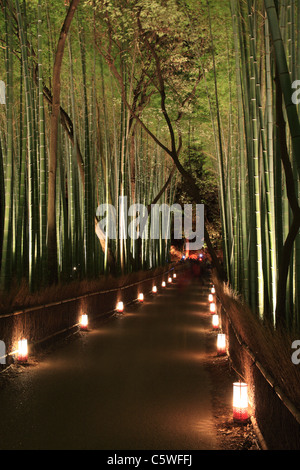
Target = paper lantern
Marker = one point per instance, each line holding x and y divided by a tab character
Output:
169	280
213	290
84	322
221	344
174	276
141	297
120	307
210	298
23	350
212	307
240	402
154	289
215	322
163	284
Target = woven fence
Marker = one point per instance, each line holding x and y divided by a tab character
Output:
271	376
44	323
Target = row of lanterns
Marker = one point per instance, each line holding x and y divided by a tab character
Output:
240	389
22	352
120	304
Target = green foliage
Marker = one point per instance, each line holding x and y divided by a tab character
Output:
196	161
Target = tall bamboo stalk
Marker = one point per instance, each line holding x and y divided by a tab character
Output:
6	259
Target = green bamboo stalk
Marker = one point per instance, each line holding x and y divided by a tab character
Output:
2	198
284	77
6	259
73	208
22	188
242	174
30	147
271	156
245	74
42	152
270	259
227	243
256	177
88	213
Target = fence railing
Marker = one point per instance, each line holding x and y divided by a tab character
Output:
275	415
44	322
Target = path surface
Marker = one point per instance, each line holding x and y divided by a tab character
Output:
137	382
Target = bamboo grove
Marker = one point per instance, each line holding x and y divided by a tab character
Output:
101	155
259	169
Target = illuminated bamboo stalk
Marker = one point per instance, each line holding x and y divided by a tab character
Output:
272	163
245	79
284	77
30	147
106	191
295	268
6	259
20	257
242	174
88	198
297	248
73	174
2	198
270	258
42	151
227	244
257	190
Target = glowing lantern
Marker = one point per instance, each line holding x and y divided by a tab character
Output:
154	289
213	290
221	344
212	307
174	276
169	280
23	351
210	298
240	402
84	322
163	284
120	307
215	322
141	298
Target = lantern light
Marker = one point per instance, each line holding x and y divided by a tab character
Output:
169	280
84	322
154	289
221	344
240	402
120	307
23	350
210	298
212	307
174	276
215	322
213	290
141	297
163	284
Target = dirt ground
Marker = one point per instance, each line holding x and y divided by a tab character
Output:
231	435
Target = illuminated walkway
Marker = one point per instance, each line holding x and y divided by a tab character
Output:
137	382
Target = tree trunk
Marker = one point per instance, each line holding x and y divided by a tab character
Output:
281	314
